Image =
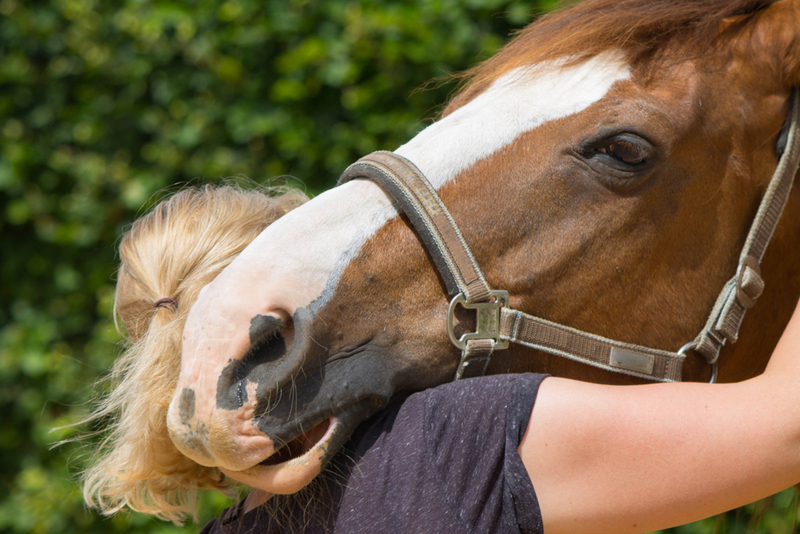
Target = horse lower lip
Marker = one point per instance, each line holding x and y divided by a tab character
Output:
299	445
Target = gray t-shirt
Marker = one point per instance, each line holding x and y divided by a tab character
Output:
443	461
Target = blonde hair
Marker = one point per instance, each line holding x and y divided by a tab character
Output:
167	255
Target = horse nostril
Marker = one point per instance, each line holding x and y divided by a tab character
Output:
267	351
263	327
288	334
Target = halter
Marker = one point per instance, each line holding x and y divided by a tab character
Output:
497	324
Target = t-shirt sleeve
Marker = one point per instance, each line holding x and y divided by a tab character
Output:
473	429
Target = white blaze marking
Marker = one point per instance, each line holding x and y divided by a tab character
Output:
308	249
517	102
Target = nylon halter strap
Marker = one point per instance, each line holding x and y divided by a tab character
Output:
497	324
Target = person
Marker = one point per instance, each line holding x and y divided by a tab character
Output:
166	257
506	453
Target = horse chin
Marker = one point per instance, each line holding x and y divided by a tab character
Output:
297	463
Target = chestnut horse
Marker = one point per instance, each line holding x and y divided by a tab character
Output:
605	168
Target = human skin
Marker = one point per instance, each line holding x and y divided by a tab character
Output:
625	459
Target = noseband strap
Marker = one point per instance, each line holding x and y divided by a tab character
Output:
417	198
462	275
497	324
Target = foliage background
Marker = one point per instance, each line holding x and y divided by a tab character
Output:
105	104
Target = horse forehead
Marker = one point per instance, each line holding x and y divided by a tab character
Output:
517	102
317	241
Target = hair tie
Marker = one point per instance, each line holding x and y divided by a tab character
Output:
165	301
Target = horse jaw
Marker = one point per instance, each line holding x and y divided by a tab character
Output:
292	271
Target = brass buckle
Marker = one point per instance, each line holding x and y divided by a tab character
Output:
487	320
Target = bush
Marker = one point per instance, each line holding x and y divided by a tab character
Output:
104	104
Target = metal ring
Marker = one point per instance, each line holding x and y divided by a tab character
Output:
460	343
691	346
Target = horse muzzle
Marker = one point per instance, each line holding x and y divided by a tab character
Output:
275	417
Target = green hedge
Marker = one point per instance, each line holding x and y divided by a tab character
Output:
104	104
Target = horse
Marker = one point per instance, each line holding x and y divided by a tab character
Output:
604	167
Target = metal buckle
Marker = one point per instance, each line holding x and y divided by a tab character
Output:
691	346
487	320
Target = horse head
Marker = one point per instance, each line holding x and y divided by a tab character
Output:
604	167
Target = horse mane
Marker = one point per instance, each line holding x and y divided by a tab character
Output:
640	29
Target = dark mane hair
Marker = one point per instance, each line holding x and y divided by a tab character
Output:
639	28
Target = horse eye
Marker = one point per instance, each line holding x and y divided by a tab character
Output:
627	152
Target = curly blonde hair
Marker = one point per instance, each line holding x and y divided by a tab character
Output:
167	255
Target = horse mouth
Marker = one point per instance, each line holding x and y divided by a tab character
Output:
301	459
295	464
302	444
